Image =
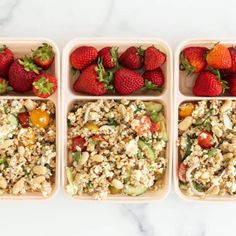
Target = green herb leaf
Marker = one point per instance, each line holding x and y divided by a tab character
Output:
187	148
199	187
212	152
76	156
112	122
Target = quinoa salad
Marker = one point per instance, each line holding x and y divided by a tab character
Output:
116	147
27	147
207	148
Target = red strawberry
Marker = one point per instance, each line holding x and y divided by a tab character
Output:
208	84
6	59
23	118
232	69
193	59
153	58
4	87
44	56
126	81
219	57
44	85
108	56
205	140
93	80
22	73
132	58
83	56
232	84
154	78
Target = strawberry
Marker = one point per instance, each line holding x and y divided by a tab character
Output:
6	59
209	84
132	58
44	85
193	59
109	57
44	56
83	56
153	78
23	118
232	69
219	57
22	73
4	87
232	84
126	81
153	58
205	140
93	80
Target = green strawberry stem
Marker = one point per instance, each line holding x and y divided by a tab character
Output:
140	51
44	52
218	76
2	49
29	65
4	87
150	86
114	55
105	77
184	65
44	86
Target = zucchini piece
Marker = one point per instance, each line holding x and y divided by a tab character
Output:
114	190
147	150
153	106
163	131
135	191
12	120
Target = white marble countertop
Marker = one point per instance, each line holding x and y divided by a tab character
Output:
170	20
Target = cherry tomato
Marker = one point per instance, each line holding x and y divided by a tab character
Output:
98	138
186	109
142	125
23	118
182	172
155	126
205	140
39	118
78	141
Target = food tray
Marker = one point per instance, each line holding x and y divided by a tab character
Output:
69	97
183	93
21	47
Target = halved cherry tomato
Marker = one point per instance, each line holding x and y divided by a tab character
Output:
39	118
205	140
143	124
155	126
186	109
182	172
98	138
78	141
23	118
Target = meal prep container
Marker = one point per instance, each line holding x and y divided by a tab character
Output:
183	93
69	97
22	47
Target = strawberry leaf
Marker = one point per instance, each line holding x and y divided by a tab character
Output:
185	65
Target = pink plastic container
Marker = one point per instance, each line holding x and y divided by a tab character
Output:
21	47
69	97
183	93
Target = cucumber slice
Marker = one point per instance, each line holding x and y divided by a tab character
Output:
163	131
135	191
147	150
114	190
12	120
153	106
